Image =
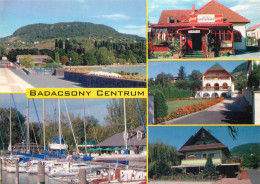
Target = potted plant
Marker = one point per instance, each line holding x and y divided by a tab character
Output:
176	49
211	52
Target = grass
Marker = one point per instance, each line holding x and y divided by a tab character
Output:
173	105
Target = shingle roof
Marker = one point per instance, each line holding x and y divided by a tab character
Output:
203	147
214	7
178	14
117	140
253	27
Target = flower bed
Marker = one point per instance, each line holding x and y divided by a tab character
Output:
189	109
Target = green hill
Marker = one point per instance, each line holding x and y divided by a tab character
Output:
245	149
240	70
38	32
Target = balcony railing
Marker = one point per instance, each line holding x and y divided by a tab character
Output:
215	88
222	77
200	161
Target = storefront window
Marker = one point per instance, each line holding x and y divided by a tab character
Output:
224	35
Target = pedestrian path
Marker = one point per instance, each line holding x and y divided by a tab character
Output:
10	82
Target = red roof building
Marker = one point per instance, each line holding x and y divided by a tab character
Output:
254	31
213	27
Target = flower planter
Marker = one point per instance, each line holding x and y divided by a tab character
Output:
211	54
176	55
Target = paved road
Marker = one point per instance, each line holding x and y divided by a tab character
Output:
46	81
180	182
230	111
254	176
246	55
232	181
10	82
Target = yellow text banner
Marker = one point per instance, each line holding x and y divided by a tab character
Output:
86	93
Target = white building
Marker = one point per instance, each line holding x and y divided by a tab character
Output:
216	82
254	31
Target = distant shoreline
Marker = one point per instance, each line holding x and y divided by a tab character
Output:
109	66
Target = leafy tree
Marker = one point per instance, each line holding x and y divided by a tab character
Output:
195	75
209	169
5	124
74	58
64	60
57	57
27	61
161	157
254	77
182	74
163	79
89	58
160	106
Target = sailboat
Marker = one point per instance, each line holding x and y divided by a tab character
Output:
59	144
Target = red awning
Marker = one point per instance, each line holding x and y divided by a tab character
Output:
192	25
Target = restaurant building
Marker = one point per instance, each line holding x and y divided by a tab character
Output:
211	30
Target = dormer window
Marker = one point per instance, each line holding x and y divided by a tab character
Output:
139	135
171	20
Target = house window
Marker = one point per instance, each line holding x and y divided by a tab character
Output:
237	36
139	135
223	35
171	20
224	85
198	156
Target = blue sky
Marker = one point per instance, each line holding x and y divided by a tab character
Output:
96	107
177	136
172	67
247	8
126	16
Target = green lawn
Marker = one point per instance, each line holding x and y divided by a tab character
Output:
173	105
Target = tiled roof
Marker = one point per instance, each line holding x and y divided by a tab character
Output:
203	147
214	7
117	140
214	24
178	14
253	27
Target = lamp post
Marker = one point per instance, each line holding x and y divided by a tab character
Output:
70	63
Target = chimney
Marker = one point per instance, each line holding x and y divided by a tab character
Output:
193	9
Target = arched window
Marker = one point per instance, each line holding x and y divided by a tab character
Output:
208	86
216	86
171	20
224	85
237	36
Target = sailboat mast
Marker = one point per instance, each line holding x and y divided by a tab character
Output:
84	120
28	125
43	123
10	119
59	125
125	126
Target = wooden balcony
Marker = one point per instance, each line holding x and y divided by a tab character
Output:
215	88
200	161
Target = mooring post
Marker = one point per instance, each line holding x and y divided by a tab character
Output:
1	170
82	176
41	172
16	172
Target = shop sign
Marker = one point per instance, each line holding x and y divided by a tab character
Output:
206	18
193	31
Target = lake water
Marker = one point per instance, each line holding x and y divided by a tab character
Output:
141	70
24	178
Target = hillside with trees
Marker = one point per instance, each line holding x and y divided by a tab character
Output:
240	75
37	32
246	149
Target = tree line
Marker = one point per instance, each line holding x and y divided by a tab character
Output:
114	123
85	52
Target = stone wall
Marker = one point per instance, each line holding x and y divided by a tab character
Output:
102	82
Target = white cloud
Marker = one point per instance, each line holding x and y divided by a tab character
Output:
113	17
134	29
240	7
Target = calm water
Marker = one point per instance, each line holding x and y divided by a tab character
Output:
141	70
24	178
